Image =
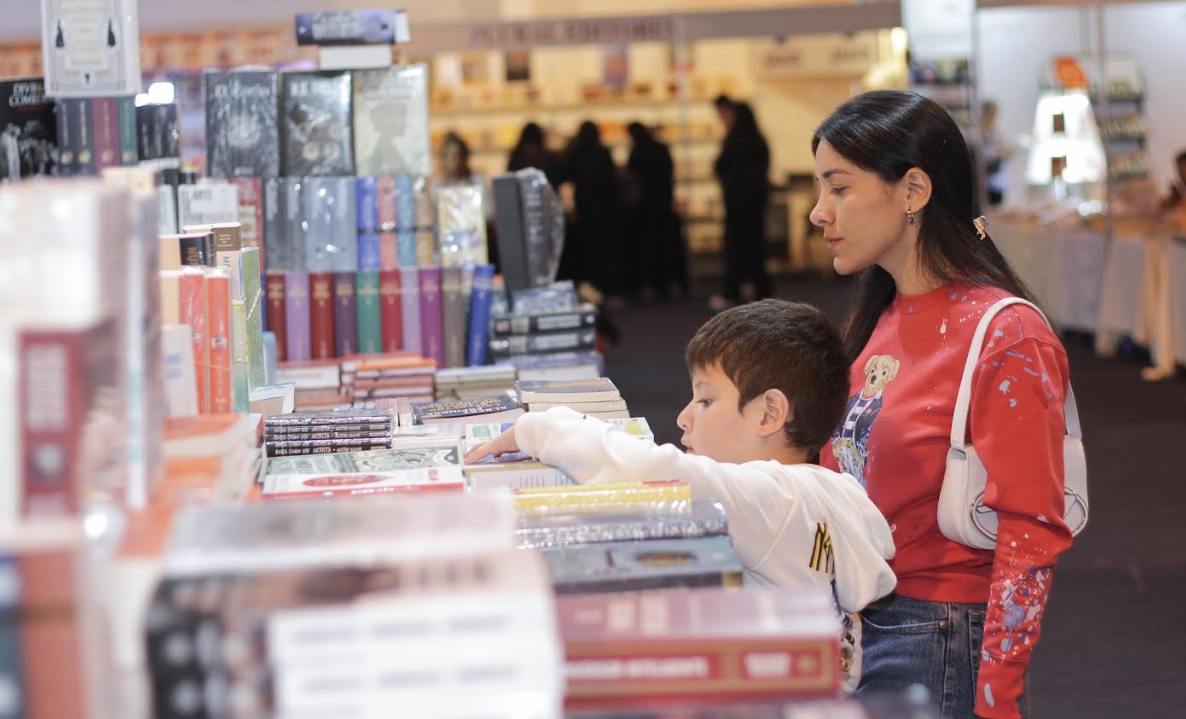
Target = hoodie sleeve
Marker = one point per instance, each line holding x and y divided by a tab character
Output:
765	501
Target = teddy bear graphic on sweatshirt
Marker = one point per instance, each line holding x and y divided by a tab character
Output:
851	438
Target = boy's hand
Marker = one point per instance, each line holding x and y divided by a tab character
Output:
502	444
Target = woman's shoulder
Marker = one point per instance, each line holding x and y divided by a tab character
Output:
1011	325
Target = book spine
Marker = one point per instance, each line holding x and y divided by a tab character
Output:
479	316
129	150
219	342
253	297
551	322
385	186
193	314
432	341
370	313
66	112
277	317
240	356
406	248
367	195
85	137
388	251
345	314
294	449
391	311
287	432
453	316
409	279
297	317
321	314
369	251
106	131
10	642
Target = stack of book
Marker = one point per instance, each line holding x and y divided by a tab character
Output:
215	456
598	398
301	433
470	382
541	321
558	365
346	609
388	377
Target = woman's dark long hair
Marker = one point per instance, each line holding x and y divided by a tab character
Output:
887	132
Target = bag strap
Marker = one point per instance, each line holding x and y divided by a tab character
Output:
963	399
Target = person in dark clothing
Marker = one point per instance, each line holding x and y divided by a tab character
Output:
589	166
531	151
654	224
743	169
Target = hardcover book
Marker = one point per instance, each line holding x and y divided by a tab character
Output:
486	409
297	309
601	389
316	124
370	312
453	316
478	339
321	314
90	49
277	315
242	134
501	347
28	130
651	564
699	645
391	310
583	317
391	121
158	132
345	314
409	283
106	131
706	519
432	341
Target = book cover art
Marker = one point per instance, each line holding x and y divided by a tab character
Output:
28	130
391	121
380	460
316	123
158	132
91	48
283	486
456	409
580	318
242	134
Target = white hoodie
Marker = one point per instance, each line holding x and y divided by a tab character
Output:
780	516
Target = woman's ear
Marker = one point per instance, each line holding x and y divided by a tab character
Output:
918	189
776	412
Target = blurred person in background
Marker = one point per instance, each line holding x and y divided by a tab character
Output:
724	106
996	152
1176	199
653	219
743	169
531	151
597	230
455	168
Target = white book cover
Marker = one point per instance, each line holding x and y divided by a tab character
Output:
290	486
177	355
90	48
207	204
391	121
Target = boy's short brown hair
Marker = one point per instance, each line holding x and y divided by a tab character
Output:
788	346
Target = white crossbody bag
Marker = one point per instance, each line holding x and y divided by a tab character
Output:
963	516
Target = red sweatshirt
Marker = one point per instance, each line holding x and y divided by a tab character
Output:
895	436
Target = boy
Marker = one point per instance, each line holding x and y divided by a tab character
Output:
769	384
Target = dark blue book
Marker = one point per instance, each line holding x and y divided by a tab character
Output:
352	27
367	195
478	339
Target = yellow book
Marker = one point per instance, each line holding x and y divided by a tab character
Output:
666	496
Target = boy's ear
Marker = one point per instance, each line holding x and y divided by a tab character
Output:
776	412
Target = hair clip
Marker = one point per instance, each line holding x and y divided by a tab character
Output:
981	225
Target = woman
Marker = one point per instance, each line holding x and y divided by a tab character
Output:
654	224
743	169
896	206
589	166
531	151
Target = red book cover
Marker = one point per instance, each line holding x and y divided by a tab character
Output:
218	340
193	313
386	192
388	251
698	645
321	314
62	376
392	311
277	324
106	132
51	634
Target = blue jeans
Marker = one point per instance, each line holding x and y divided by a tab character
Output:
909	641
